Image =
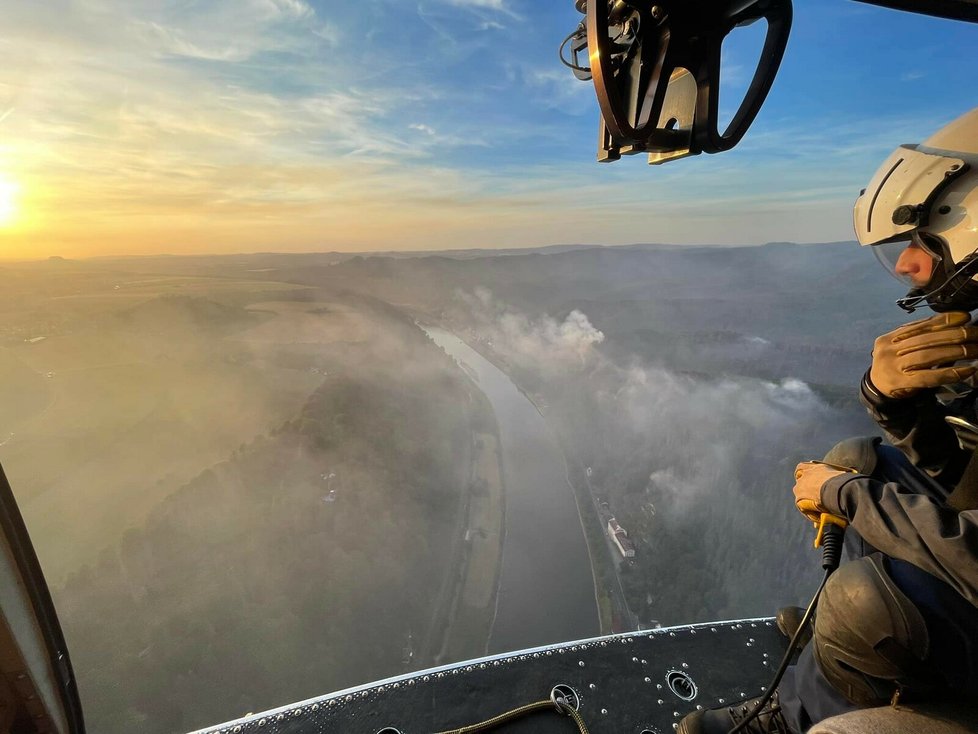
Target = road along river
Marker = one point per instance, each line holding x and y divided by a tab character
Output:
546	589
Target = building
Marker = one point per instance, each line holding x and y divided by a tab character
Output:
620	538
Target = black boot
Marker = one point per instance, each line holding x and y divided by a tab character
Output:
720	721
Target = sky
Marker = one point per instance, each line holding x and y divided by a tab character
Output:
192	126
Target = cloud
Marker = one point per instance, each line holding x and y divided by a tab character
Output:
497	6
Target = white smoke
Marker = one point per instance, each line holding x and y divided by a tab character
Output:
546	341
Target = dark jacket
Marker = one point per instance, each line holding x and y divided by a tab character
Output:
913	527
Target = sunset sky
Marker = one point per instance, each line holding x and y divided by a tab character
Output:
139	126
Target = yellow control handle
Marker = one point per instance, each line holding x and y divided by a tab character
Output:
824	520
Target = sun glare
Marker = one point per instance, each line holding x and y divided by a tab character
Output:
8	201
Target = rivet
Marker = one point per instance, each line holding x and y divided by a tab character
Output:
647	679
604	711
721	700
685	665
661	702
592	686
580	663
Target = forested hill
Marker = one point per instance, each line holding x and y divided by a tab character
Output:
314	557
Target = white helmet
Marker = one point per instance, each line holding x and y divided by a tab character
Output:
928	194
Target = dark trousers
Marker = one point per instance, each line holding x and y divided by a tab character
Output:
952	622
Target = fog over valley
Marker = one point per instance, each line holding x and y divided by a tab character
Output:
253	479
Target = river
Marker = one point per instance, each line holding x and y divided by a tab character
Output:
546	590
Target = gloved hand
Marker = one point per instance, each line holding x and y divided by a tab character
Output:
809	478
903	358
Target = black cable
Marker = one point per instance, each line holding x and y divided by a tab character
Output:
831	556
560	51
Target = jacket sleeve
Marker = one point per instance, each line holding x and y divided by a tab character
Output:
911	527
916	426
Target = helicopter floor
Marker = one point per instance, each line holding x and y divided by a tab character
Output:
634	683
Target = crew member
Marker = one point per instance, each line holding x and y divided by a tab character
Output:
900	621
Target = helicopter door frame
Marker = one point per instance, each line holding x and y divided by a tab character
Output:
33	654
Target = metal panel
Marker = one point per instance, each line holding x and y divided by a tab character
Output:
627	684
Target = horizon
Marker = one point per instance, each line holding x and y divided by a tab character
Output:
489	251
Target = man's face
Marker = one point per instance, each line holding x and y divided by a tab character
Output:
916	264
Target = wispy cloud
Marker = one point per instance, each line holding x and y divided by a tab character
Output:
231	124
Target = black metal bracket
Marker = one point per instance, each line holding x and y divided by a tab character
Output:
655	65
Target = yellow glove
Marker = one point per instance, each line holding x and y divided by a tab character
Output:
923	354
809	478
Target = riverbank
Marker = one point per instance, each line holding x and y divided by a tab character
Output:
474	603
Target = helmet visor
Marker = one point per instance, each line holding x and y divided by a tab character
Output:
912	263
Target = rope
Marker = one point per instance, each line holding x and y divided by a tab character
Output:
548	705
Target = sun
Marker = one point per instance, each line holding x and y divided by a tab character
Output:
8	201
